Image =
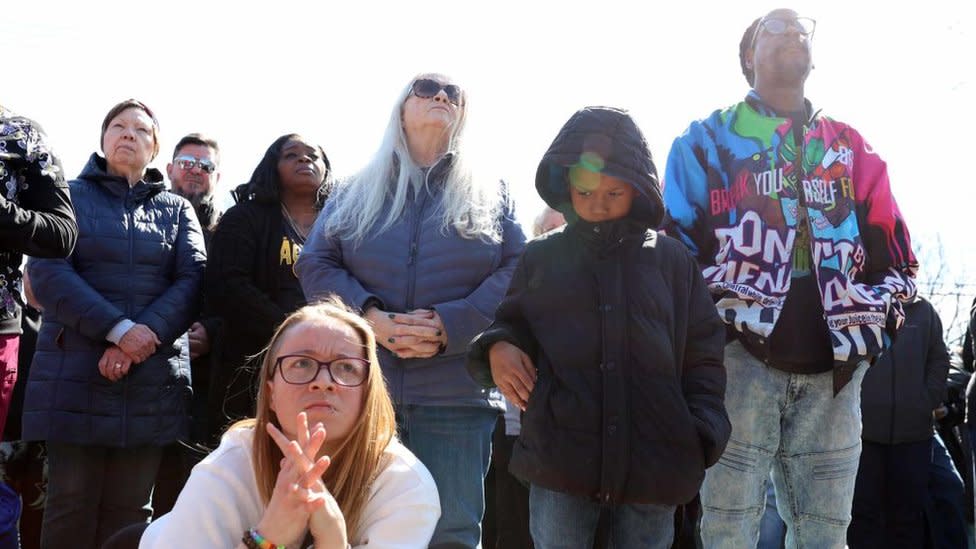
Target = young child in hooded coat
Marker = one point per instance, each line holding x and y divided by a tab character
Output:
609	341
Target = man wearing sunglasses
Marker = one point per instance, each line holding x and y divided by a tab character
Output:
193	174
808	258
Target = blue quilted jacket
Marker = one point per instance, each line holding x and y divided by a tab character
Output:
140	255
413	265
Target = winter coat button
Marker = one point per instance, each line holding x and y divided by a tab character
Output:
610	366
612	429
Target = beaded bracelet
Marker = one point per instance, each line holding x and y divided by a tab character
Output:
253	540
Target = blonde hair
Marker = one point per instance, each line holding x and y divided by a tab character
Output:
359	458
377	194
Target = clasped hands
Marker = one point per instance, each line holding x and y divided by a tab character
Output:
418	333
137	345
300	501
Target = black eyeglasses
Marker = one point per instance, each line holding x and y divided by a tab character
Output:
300	369
426	87
187	162
775	25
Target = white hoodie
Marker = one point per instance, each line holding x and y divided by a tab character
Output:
220	502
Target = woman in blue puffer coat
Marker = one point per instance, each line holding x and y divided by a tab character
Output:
109	384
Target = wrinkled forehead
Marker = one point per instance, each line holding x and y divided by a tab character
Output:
325	334
135	114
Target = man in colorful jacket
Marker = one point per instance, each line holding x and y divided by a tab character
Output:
36	218
807	256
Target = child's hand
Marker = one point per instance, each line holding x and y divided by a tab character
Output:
513	372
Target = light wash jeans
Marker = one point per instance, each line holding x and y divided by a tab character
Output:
562	521
455	445
794	426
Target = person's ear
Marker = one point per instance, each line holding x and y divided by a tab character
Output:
271	402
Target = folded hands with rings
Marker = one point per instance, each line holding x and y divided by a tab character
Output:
114	364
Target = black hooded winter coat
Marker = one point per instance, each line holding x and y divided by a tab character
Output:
628	406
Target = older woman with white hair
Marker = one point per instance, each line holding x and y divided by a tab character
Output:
426	249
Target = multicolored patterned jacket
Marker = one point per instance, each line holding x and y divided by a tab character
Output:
736	192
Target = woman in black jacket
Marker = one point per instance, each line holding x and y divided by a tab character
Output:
609	342
251	283
109	384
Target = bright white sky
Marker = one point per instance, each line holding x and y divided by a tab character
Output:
246	73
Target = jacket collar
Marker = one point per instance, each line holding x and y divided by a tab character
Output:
756	102
606	236
96	170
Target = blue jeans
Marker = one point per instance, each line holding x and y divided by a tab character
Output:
455	445
10	507
772	529
794	426
94	491
562	521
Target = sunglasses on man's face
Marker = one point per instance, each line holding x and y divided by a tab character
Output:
187	162
426	88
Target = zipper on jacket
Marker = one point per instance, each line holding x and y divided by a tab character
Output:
414	239
130	215
412	256
412	274
130	218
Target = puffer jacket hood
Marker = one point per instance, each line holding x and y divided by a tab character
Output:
608	141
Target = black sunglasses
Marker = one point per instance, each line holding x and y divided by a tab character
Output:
187	162
426	88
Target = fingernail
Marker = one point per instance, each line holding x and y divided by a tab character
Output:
391	340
